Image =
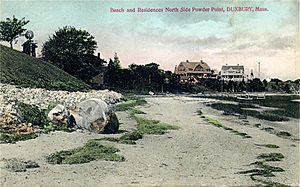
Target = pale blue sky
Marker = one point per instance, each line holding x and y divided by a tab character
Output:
167	38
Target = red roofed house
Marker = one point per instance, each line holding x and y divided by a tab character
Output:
193	71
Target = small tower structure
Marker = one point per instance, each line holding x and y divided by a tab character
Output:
29	47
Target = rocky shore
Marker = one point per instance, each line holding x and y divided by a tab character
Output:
10	94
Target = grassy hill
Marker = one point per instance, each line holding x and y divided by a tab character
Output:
20	69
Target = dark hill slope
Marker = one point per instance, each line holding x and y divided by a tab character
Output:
17	68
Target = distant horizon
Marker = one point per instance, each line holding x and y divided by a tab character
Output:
167	38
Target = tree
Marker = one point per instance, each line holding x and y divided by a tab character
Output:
11	29
255	85
113	73
71	50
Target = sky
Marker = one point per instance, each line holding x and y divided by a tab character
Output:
167	38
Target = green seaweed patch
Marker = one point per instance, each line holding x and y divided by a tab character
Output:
56	127
127	138
199	112
269	183
262	169
268	129
271	156
17	165
92	150
110	139
13	137
228	128
219	125
131	137
230	108
283	134
130	103
32	114
135	111
257	125
263	165
148	126
272	146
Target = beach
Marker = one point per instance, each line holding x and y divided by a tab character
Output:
197	154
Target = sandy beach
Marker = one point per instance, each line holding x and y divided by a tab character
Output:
198	154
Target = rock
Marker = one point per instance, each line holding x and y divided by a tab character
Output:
57	112
112	125
94	115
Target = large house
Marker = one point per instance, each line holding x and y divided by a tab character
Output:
193	71
233	72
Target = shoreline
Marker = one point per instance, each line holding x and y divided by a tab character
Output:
198	154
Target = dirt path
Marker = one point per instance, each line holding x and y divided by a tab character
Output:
198	154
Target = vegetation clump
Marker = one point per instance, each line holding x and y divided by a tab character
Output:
17	165
130	138
147	126
271	156
219	125
135	111
283	134
127	138
14	137
32	114
199	112
264	170
268	145
92	150
233	108
130	103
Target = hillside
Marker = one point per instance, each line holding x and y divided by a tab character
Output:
19	69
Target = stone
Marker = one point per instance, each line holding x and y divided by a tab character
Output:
94	115
57	112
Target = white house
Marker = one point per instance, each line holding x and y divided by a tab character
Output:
233	72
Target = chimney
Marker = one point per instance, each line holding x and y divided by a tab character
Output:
99	56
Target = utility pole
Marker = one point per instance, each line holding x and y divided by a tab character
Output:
259	70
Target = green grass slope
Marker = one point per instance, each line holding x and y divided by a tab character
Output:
20	69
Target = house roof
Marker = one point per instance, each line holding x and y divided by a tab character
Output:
193	65
234	67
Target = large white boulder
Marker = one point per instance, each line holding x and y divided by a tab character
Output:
92	114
